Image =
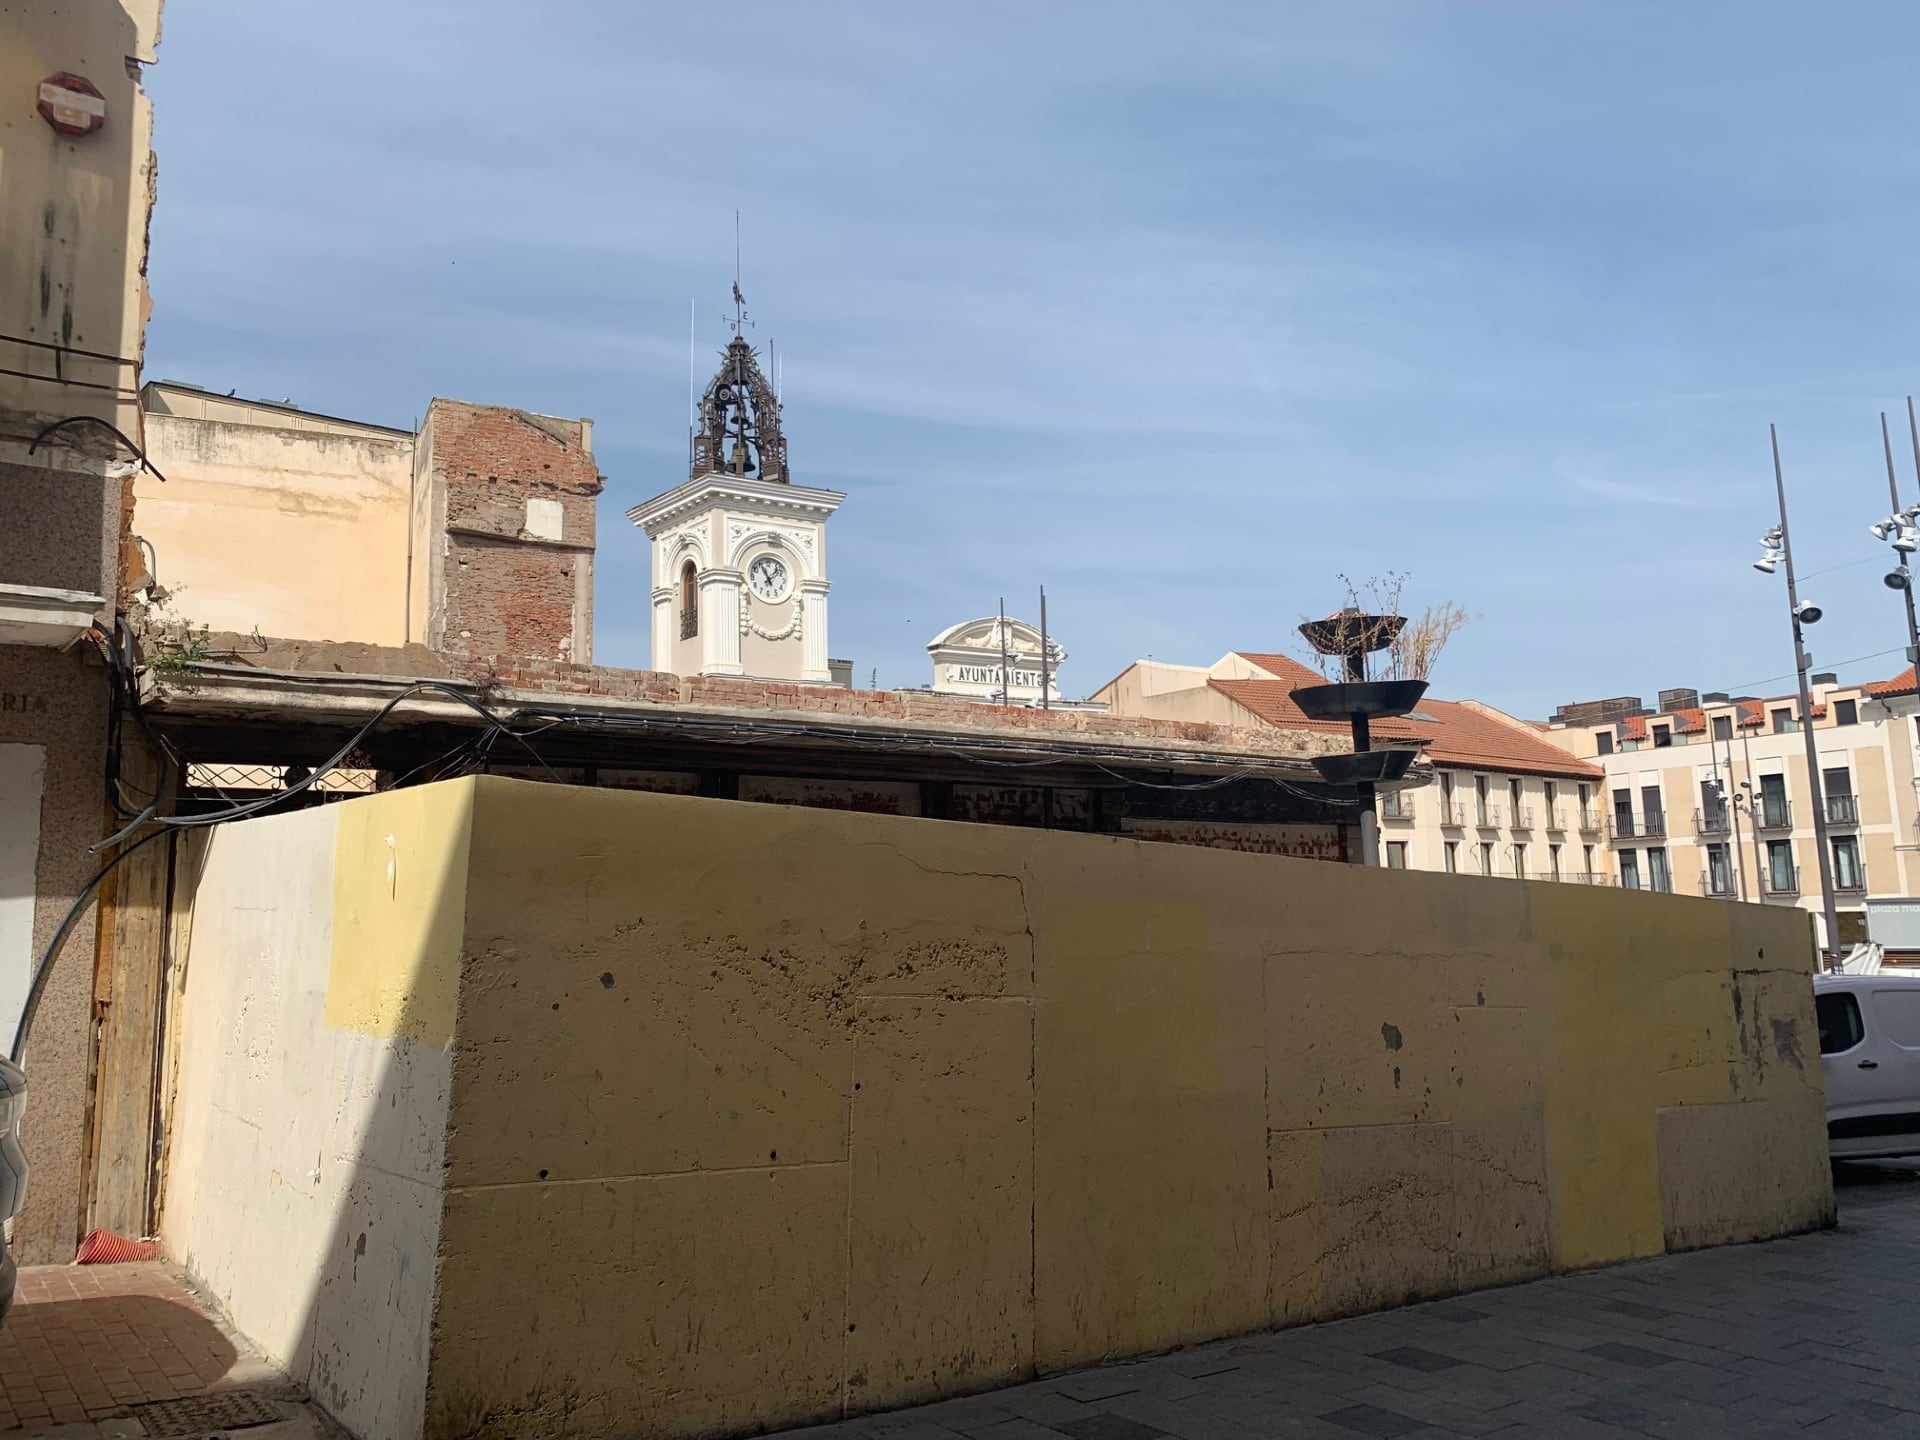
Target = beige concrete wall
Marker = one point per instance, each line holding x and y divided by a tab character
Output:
290	529
73	231
308	1114
762	1114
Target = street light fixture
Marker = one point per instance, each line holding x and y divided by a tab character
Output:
1902	530
1778	545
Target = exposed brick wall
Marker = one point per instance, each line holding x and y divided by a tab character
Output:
497	589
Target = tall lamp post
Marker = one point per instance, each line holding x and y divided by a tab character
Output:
1900	531
1777	545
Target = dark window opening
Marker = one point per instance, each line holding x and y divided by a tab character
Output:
1846	712
689	602
1840	1024
1603	740
1723	727
1662	737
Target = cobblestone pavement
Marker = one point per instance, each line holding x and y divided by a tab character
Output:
85	1343
1817	1335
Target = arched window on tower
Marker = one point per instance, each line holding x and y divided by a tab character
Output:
689	602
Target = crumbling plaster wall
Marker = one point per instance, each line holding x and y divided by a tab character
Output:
763	1114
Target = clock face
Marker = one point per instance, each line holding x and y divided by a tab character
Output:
769	579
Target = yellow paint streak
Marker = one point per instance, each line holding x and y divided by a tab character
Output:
399	909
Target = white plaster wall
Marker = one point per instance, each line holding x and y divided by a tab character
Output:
22	777
305	1163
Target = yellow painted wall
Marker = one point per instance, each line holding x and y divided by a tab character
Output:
268	522
762	1114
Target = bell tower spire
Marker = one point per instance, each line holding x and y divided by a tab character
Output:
740	551
738	429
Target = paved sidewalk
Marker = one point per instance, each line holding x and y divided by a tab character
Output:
84	1344
1818	1335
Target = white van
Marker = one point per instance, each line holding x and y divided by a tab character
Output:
1870	1052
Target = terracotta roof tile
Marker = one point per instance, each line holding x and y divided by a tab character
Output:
1901	684
1692	721
1456	734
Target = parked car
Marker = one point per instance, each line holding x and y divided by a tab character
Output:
1870	1051
13	1171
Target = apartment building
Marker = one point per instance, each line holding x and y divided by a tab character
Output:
1711	794
1506	800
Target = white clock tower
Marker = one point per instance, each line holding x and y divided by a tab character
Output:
740	551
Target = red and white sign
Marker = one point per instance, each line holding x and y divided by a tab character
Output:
71	104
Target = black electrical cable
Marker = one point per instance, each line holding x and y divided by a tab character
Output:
45	968
113	430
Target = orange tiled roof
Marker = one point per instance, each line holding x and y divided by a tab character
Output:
1901	684
1456	734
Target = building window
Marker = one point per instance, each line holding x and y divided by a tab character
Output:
1723	727
1513	795
1846	712
1396	855
1586	863
1519	862
1586	804
1653	809
689	601
1553	862
1842	807
1629	870
1659	877
1603	742
1781	879
1450	858
1486	858
1719	871
1775	813
1847	874
1782	721
1662	737
1623	813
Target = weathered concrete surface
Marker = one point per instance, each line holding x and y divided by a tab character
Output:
759	1114
307	1143
1032	1100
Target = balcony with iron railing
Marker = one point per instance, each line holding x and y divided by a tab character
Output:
1396	805
1453	814
1773	815
1718	887
1556	820
1850	882
1590	822
1589	877
1843	810
1781	881
1487	817
1522	817
1713	820
1646	827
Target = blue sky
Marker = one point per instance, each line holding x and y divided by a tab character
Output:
1176	309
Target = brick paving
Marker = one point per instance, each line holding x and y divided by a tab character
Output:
1816	1335
84	1343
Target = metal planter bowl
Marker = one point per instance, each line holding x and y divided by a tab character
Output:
1368	767
1376	699
1353	632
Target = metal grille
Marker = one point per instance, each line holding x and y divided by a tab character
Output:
271	779
201	1414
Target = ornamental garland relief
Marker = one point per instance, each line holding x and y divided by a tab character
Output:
748	625
798	538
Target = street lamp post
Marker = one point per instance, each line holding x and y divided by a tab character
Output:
1899	530
1780	543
